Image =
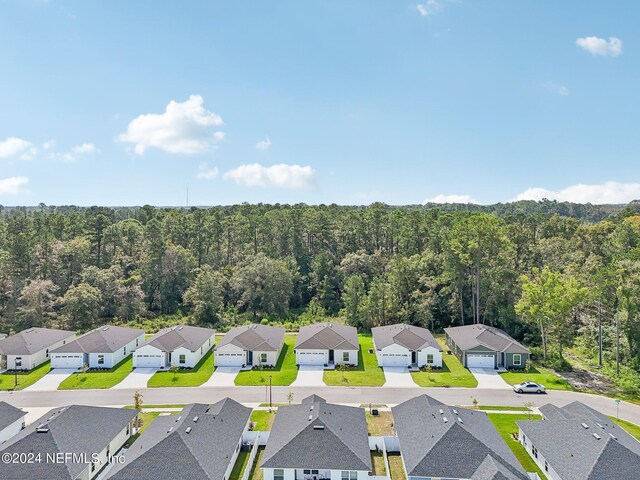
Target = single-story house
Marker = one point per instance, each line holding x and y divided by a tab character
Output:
327	343
592	446
103	347
403	345
482	346
201	442
76	442
182	346
317	440
253	344
31	347
439	441
11	421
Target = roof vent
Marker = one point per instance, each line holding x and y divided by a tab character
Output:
613	436
170	430
311	408
460	420
195	419
584	425
596	436
178	419
601	426
444	419
441	412
310	417
42	429
318	427
188	430
455	411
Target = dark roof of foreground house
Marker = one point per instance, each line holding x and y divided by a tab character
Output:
9	414
470	336
430	431
325	335
107	339
318	435
593	446
76	429
197	444
32	340
408	336
187	336
254	337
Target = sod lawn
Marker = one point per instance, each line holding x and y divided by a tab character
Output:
263	419
452	373
241	464
366	374
8	379
99	378
284	373
538	375
185	378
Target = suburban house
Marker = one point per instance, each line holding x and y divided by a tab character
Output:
403	345
327	343
11	421
482	346
75	442
249	345
316	441
593	447
438	441
182	346
103	347
201	442
31	347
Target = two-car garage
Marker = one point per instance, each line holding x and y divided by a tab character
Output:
394	359
229	359
311	357
67	360
480	360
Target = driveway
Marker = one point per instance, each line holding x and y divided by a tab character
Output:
222	377
309	376
51	380
489	378
138	378
398	377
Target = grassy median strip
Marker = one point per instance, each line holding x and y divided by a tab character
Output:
185	378
25	379
99	378
284	373
452	373
538	375
366	374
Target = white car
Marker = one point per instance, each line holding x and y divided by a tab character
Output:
529	387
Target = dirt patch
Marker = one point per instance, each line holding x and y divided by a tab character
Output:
584	380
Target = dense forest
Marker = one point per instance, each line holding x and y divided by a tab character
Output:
546	272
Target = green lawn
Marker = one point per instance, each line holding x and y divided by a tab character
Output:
381	424
367	373
505	423
256	471
452	373
241	463
631	428
537	375
504	409
263	418
7	380
284	373
99	378
185	378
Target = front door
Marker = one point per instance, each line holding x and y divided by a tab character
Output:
413	357
330	355
250	358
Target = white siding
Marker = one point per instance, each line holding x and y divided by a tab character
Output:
109	360
437	357
112	359
30	362
230	356
393	349
11	430
290	474
539	460
114	446
272	358
353	357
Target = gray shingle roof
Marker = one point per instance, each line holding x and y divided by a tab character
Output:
408	336
583	456
77	429
9	414
254	337
166	450
168	339
318	435
32	340
469	336
107	339
330	336
427	441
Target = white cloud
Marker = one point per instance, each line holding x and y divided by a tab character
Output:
264	144
430	7
280	175
49	144
608	192
186	128
84	148
206	173
76	152
451	199
17	147
600	46
12	185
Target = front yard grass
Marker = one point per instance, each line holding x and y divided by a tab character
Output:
452	373
25	379
185	378
377	462
395	465
631	428
284	373
241	464
381	424
504	409
366	374
505	423
263	419
99	378
538	375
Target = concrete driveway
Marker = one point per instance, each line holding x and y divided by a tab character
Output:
398	377
222	377
138	378
51	380
489	378
309	376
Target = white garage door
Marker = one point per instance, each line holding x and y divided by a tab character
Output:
311	358
395	360
480	361
149	361
71	360
229	359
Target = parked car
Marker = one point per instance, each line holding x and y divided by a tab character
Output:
529	387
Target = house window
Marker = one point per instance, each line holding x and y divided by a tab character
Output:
47	352
200	350
183	358
128	429
307	472
100	359
93	466
278	474
263	358
546	466
349	475
18	362
345	356
137	342
517	359
429	357
534	450
125	350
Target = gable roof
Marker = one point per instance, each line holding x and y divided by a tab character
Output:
107	339
32	340
327	336
254	337
300	432
78	429
9	414
408	336
166	450
187	336
427	440
470	336
615	454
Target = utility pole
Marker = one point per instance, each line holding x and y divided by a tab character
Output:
270	396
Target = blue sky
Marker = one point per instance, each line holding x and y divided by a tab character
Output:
318	101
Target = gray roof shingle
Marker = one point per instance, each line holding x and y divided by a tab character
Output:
32	340
254	337
327	336
107	339
408	336
187	336
9	414
470	336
